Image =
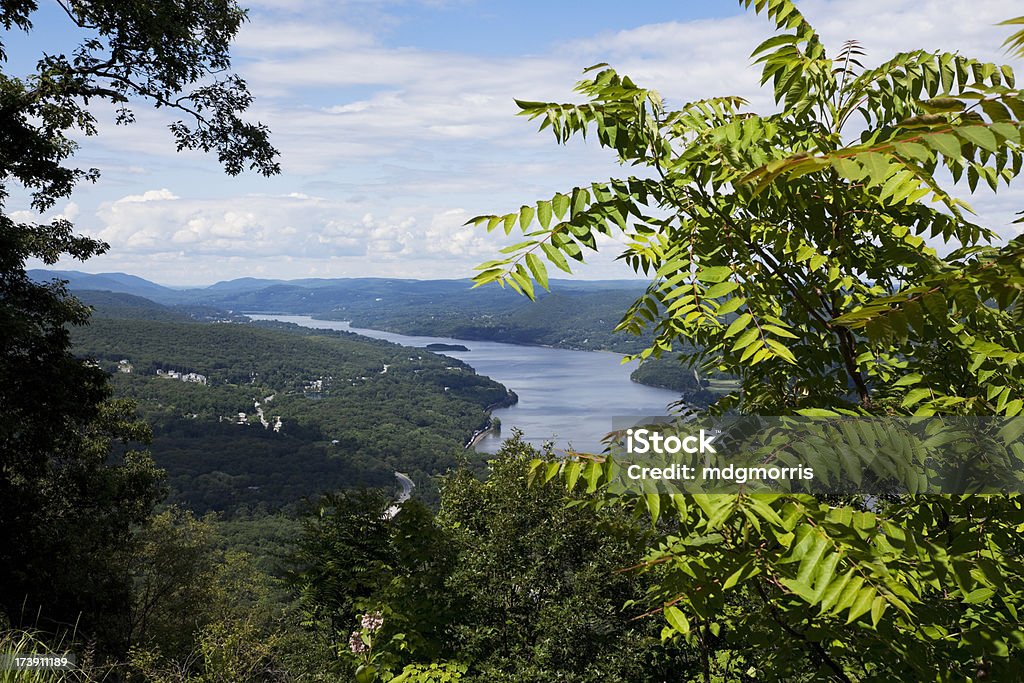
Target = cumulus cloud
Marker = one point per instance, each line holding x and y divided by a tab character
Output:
388	149
148	196
69	212
294	225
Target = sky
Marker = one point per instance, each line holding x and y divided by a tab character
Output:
396	124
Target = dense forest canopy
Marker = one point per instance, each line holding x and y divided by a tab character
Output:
582	317
323	410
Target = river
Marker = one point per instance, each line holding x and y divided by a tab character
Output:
568	397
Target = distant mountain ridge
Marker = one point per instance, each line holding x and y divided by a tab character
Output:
576	314
109	282
308	295
81	280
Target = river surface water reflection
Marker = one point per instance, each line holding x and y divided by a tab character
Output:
568	397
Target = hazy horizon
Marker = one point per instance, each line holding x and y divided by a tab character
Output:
554	281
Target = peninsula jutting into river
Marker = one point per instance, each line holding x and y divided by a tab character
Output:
566	397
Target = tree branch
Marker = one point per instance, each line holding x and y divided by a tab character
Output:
840	673
71	15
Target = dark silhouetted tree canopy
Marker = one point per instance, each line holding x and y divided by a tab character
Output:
63	508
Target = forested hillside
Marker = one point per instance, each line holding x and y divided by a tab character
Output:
579	315
338	410
817	261
568	319
573	316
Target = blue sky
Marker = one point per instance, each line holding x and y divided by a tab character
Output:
396	124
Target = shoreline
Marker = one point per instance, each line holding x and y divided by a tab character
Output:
464	339
354	330
480	434
491	428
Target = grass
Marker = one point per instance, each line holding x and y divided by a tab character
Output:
18	643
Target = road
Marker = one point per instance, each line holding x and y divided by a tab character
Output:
407	485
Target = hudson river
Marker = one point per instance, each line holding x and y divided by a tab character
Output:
568	397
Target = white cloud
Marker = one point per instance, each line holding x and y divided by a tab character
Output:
70	212
388	150
268	225
264	35
148	196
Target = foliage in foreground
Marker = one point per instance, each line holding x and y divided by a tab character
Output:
21	643
798	260
505	583
65	511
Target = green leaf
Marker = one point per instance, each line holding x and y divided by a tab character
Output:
526	214
555	256
979	596
781	351
908	380
980	136
778	331
544	213
653	501
765	512
572	474
913	150
996	111
677	619
579	200
522	278
861	604
915	396
738	324
540	273
720	289
1007	131
745	339
510	220
848	168
366	673
714	274
878	606
801	588
877	165
730	306
737	576
560	204
944	143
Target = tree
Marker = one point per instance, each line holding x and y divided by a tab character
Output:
757	272
790	249
343	557
199	614
355	557
59	497
505	582
65	523
536	590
